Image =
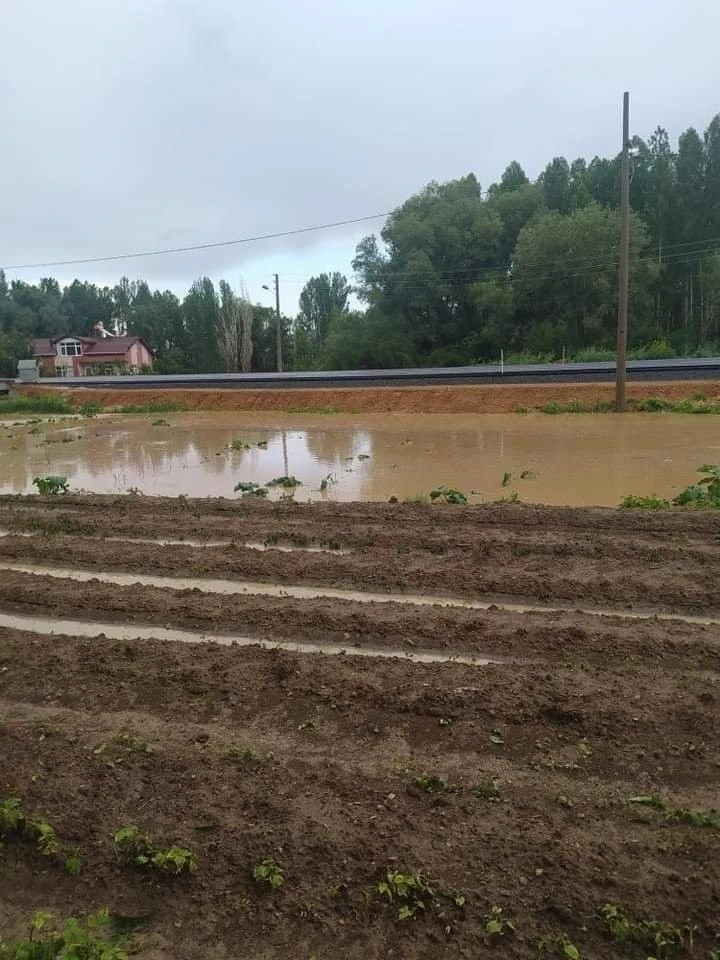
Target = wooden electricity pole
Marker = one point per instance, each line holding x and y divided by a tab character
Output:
278	319
624	278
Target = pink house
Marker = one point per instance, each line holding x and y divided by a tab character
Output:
87	356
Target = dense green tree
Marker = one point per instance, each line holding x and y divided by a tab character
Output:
437	245
513	177
322	298
565	278
555	181
200	308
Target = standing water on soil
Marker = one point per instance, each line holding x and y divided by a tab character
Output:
573	460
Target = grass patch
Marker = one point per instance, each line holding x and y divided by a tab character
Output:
651	502
697	404
48	403
152	406
572	406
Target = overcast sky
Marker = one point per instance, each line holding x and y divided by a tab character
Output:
133	125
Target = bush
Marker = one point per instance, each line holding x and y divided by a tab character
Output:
51	486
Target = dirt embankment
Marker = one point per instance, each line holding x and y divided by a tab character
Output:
454	399
506	786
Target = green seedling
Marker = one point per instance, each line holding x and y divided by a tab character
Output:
696	818
497	924
331	544
432	783
651	800
74	940
657	936
448	495
269	872
14	822
237	445
410	891
327	482
561	946
73	862
134	743
506	480
487	790
51	486
236	752
584	749
138	849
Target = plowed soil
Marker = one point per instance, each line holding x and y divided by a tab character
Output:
608	690
452	399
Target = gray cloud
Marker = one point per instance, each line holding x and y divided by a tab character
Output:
149	123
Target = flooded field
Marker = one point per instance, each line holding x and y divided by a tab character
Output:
574	460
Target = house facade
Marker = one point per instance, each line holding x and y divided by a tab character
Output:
71	356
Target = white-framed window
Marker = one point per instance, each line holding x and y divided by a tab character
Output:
70	348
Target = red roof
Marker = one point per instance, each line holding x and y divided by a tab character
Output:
109	346
93	347
43	348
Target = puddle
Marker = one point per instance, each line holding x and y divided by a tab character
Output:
574	460
249	588
114	631
188	542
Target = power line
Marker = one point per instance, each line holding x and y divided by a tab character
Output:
225	243
195	246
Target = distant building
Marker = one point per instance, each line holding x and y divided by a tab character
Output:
91	356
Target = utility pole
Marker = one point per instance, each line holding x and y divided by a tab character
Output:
624	278
278	322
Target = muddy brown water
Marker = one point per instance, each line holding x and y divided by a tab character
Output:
573	460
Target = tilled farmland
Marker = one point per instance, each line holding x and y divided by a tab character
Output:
380	730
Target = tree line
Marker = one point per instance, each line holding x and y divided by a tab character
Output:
456	275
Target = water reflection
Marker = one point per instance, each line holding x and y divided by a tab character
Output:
580	459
